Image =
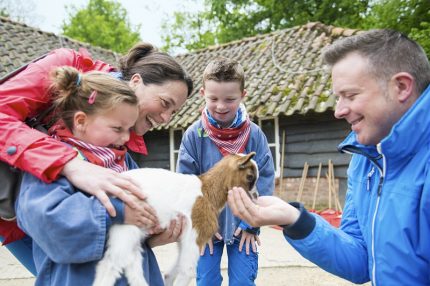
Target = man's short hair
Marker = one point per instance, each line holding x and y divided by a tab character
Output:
388	52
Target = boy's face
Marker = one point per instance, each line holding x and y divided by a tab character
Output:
223	100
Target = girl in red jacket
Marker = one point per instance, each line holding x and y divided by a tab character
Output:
69	228
158	81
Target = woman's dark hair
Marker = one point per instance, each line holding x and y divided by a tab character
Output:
154	66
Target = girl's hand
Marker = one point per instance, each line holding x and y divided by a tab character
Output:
102	182
169	235
247	239
210	244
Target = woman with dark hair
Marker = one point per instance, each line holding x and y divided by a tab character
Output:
161	86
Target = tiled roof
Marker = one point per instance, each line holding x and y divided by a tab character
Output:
284	72
21	43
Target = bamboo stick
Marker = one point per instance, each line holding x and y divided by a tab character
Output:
316	186
335	190
329	189
329	183
302	181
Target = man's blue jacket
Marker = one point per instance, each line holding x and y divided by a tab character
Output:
385	230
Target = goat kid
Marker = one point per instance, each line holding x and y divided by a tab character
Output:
198	198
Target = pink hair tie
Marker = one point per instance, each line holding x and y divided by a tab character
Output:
92	97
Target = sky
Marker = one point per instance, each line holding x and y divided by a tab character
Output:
48	15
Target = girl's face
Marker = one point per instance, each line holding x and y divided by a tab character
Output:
109	128
223	100
157	102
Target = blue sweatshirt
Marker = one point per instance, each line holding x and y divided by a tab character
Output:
197	154
69	231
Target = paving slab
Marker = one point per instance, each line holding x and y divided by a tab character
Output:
279	264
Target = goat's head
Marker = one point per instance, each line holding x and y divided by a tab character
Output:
242	172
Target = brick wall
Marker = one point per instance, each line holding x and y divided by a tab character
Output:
290	188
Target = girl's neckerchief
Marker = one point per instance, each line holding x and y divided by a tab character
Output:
229	140
111	158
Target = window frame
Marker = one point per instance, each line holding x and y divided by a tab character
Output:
275	144
172	149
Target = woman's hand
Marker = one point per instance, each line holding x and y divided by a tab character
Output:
143	215
102	182
169	235
247	239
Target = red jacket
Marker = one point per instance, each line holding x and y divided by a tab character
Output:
26	95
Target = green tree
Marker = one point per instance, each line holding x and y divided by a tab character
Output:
400	15
411	17
421	35
102	23
227	20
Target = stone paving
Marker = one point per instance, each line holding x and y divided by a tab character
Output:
279	264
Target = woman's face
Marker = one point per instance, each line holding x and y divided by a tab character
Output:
157	102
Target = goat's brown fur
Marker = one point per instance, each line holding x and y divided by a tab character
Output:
232	171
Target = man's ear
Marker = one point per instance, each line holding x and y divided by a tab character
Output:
403	84
79	121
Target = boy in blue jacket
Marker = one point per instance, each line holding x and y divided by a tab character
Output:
225	128
382	81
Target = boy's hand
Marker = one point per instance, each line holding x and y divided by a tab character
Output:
211	245
247	239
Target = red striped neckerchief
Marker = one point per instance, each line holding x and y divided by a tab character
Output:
111	158
228	140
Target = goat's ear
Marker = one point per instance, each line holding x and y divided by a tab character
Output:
245	159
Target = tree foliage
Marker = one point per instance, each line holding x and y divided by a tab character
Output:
223	21
102	23
227	20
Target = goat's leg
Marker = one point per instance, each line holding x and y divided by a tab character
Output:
123	244
169	277
187	260
106	271
134	272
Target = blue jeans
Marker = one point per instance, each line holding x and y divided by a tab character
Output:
242	268
23	251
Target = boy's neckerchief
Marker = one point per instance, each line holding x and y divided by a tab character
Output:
111	158
229	140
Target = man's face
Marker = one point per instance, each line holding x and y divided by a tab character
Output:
367	104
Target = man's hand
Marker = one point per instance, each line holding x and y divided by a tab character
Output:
269	210
102	182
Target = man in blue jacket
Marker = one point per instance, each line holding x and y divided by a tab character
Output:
381	79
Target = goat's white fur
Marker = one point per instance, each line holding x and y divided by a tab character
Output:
169	194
